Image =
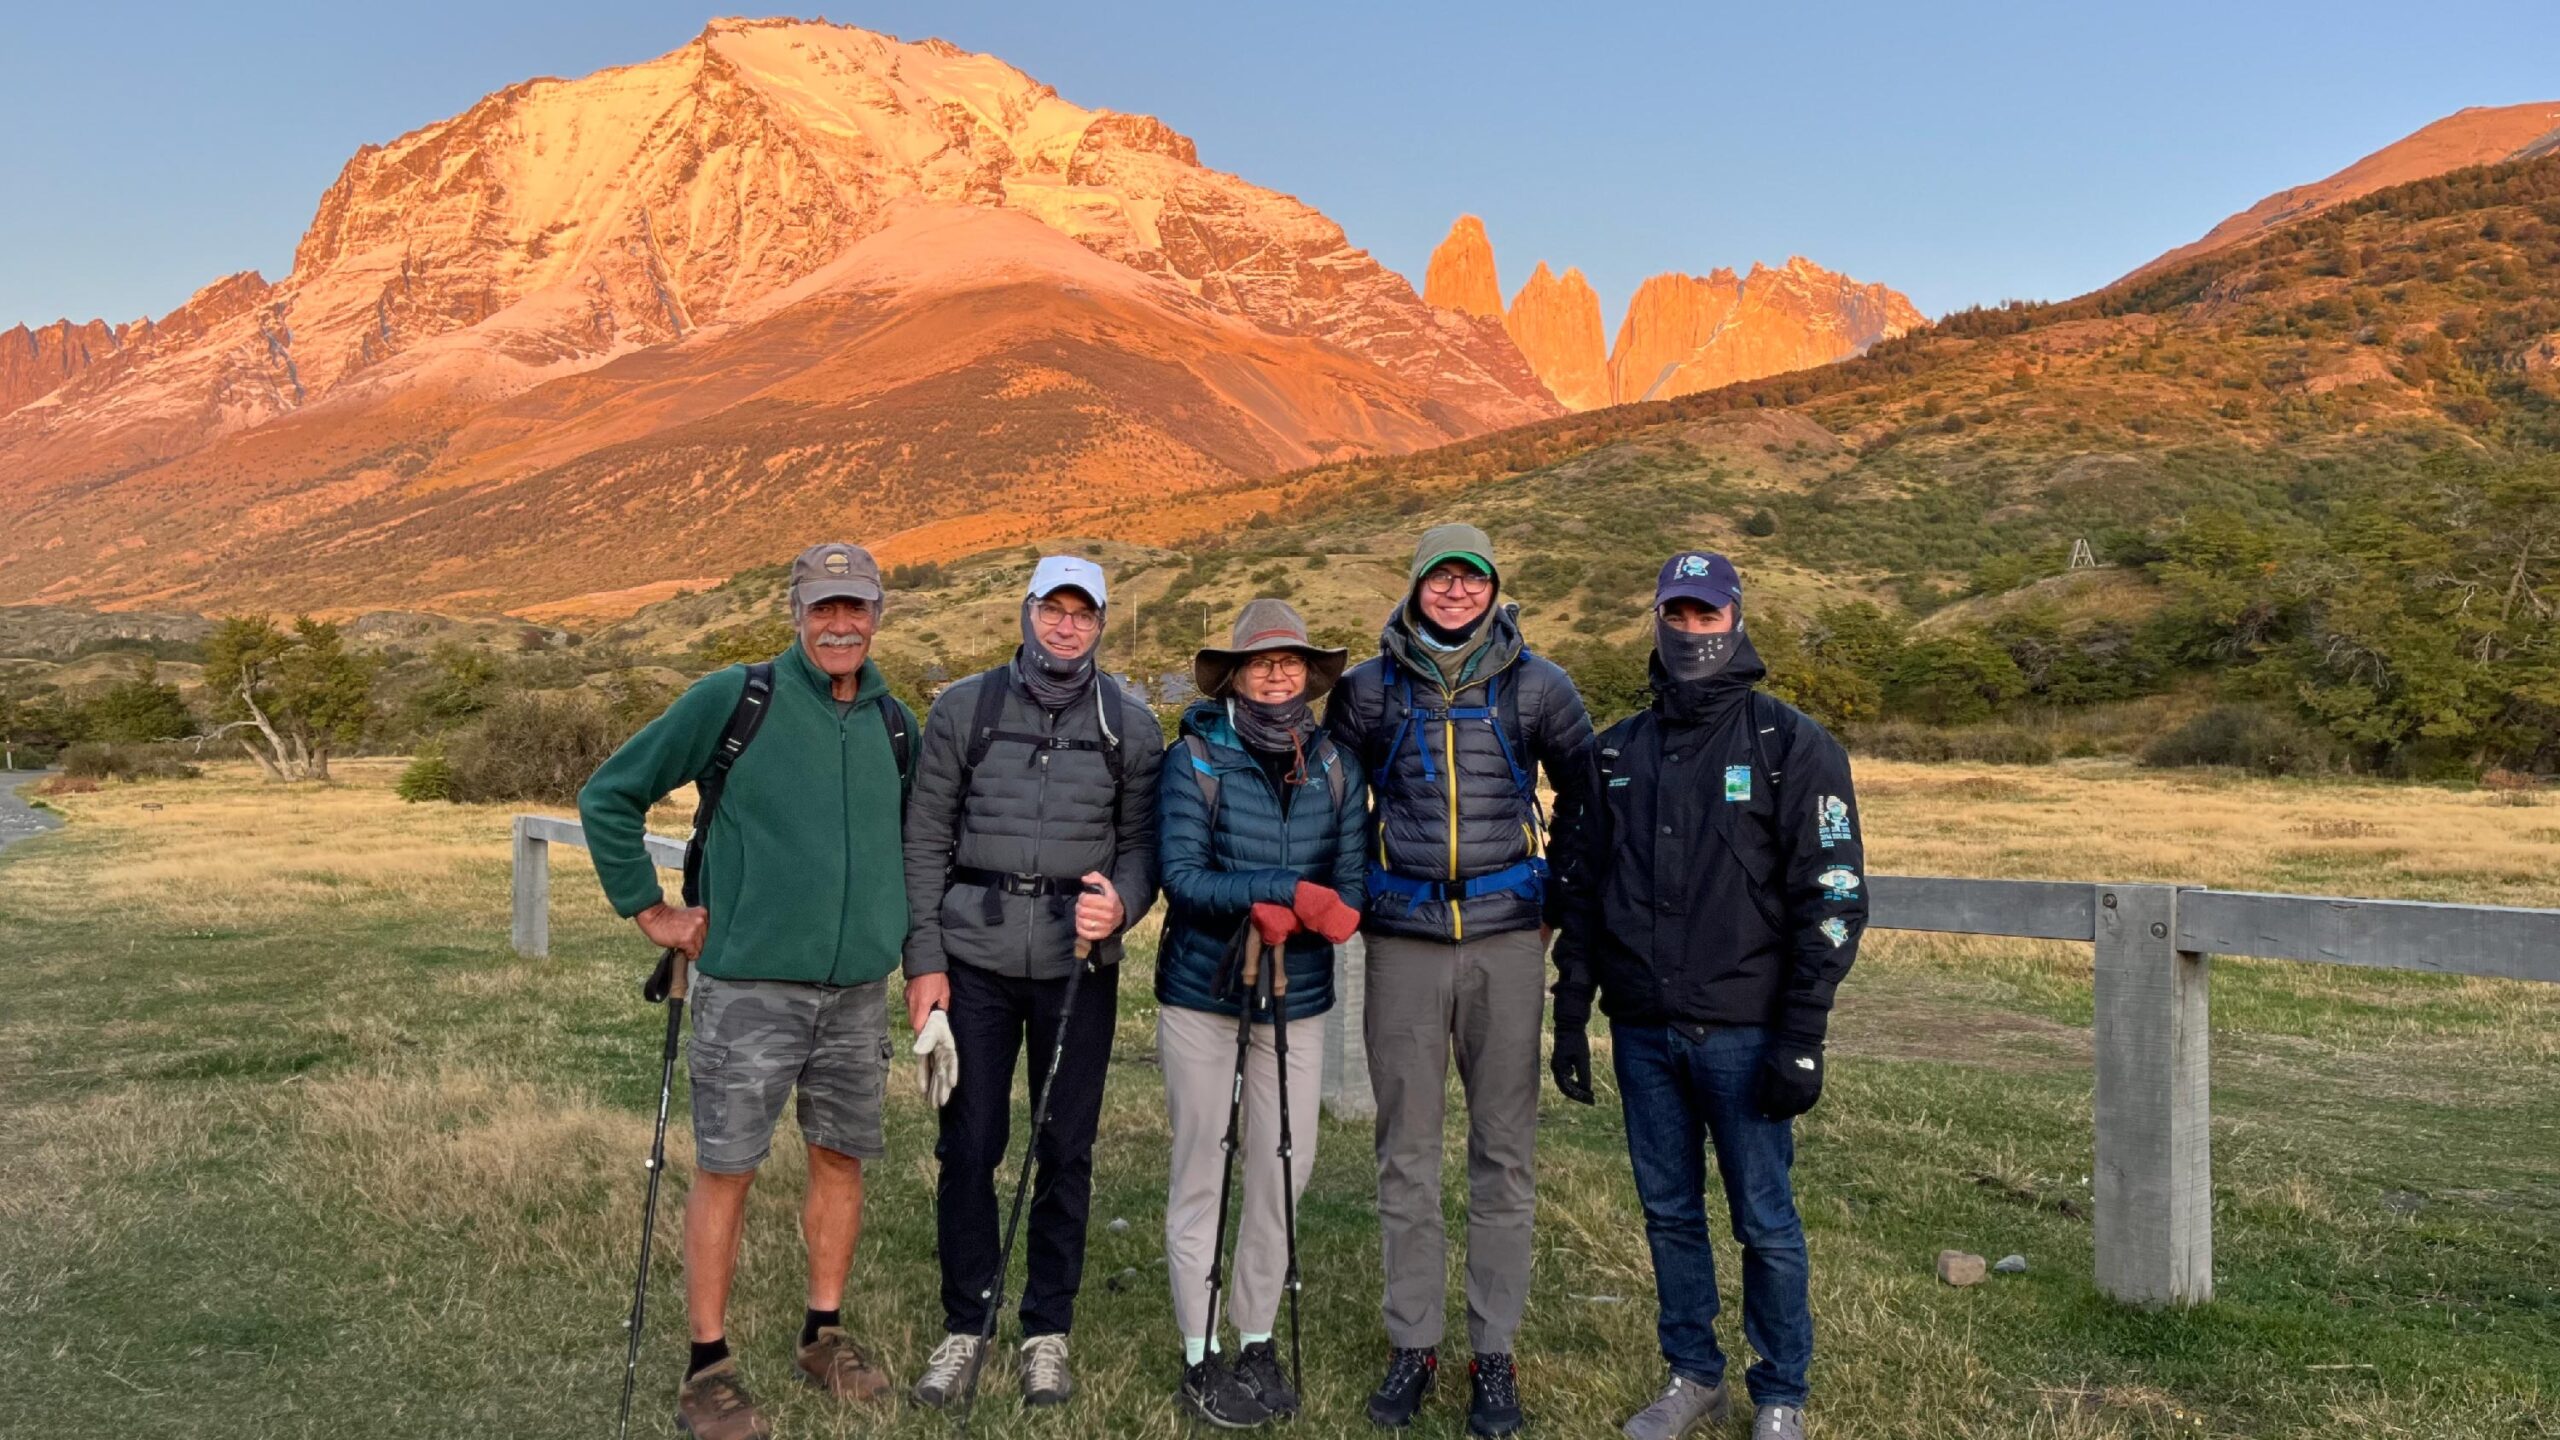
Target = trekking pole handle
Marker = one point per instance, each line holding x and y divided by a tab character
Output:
1084	947
1279	962
667	982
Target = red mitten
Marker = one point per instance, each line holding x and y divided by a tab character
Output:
1320	909
1274	923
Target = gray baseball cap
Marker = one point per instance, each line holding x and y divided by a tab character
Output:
834	571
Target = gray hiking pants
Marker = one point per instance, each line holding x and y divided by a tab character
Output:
1486	1001
1198	1051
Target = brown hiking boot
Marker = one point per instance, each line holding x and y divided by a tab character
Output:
833	1363
714	1405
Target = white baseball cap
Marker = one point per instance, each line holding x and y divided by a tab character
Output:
1067	572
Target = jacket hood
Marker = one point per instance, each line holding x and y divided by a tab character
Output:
1501	650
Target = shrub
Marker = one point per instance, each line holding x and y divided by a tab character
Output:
1760	523
1980	744
429	777
2244	737
532	747
96	761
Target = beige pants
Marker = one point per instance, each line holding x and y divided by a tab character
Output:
1198	1052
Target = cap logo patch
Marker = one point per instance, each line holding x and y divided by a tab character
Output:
1693	567
838	563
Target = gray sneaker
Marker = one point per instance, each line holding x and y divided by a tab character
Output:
952	1369
1778	1422
1683	1406
1045	1380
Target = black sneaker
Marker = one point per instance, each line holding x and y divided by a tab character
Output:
1259	1368
1493	1405
1399	1397
1212	1392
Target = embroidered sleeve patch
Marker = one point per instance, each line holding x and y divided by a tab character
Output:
1838	883
1836	930
1833	816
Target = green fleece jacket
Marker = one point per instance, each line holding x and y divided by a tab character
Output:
803	871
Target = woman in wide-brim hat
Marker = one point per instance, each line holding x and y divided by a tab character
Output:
1261	821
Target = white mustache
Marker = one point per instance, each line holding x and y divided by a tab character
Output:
841	641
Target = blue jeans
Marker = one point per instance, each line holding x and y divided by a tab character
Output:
1678	1091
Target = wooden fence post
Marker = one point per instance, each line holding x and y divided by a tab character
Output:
2155	1143
532	890
1346	1051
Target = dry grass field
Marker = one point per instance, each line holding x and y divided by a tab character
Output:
297	1147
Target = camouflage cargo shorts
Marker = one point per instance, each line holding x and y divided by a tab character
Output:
757	1041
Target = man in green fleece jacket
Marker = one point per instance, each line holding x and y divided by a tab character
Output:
804	916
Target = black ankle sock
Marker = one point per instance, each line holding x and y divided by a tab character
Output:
809	1327
706	1353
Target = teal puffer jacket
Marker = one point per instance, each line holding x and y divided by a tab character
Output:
1216	868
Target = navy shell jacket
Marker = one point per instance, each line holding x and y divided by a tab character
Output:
1215	869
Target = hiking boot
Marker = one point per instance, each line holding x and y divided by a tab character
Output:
1399	1397
1683	1405
1045	1380
1212	1392
951	1371
1259	1368
713	1404
833	1363
1778	1422
1493	1400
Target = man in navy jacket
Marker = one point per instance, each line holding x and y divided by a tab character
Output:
1715	890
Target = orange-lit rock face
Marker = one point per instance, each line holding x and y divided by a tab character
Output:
1556	323
1461	275
602	258
1686	333
2481	135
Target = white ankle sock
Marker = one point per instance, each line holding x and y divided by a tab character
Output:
1250	1340
1194	1349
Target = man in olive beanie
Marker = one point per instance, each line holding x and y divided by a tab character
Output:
1451	719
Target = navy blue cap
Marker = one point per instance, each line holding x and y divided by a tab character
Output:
1699	575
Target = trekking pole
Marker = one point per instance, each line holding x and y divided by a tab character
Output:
668	981
1276	968
993	1295
1235	1122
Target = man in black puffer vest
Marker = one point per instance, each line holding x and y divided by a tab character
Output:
1715	890
1451	721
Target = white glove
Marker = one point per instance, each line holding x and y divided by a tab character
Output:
937	1059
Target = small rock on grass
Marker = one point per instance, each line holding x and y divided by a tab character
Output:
1122	1280
2011	1265
1119	1227
1959	1268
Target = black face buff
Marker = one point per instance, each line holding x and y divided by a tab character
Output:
1689	657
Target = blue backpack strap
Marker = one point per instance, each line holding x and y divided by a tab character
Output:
1205	773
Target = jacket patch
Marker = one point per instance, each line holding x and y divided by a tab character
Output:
1838	883
1737	783
1833	814
1836	930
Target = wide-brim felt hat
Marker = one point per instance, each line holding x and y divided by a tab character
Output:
1265	626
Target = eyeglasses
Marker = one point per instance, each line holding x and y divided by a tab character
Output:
1466	582
1276	667
1083	622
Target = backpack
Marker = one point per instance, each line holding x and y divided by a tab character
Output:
983	733
745	719
1507	733
1207	775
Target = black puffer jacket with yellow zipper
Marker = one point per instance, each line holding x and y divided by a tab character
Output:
1450	804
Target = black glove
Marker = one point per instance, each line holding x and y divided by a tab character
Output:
1572	1063
1790	1078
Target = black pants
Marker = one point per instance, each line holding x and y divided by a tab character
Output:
990	1018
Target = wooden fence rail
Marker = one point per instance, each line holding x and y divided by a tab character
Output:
2154	1172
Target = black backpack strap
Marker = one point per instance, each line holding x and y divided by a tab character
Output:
982	724
745	718
902	742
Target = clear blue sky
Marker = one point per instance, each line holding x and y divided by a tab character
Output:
1960	151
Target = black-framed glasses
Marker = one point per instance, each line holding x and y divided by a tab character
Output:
1277	667
1465	582
1084	622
